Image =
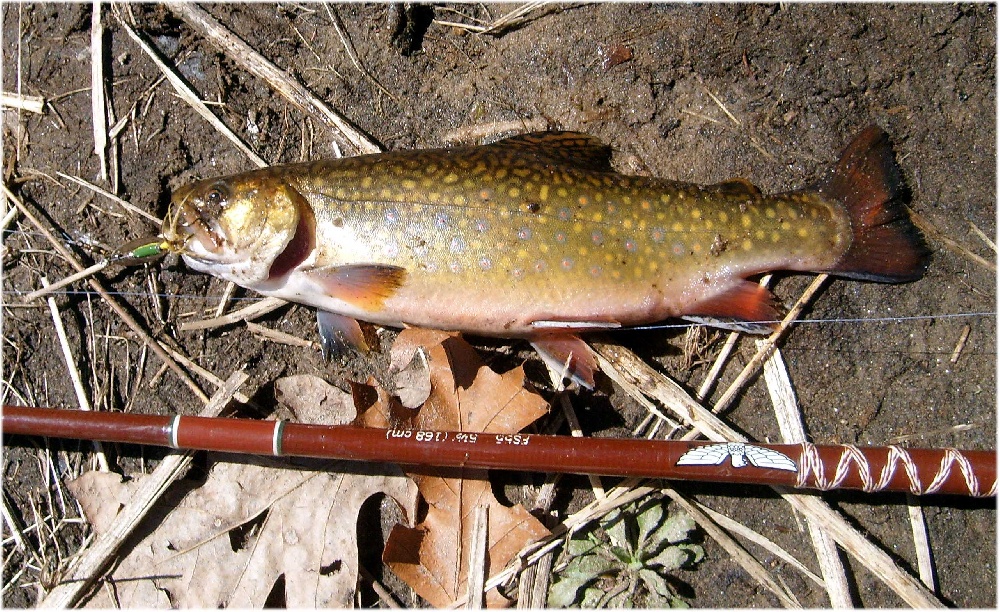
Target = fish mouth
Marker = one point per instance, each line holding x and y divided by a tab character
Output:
188	230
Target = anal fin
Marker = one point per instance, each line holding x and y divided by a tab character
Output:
568	355
745	306
338	333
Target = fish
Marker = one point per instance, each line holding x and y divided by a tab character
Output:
537	237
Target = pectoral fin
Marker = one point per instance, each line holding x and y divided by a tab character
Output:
366	286
338	333
568	355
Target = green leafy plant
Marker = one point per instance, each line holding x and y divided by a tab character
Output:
626	560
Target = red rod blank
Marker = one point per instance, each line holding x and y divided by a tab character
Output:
919	471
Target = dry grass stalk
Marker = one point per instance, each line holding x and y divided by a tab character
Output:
960	345
478	545
930	230
280	336
763	351
349	47
187	94
108	299
675	398
98	107
925	562
738	553
93	559
577	432
126	205
509	20
32	104
786	409
74	372
742	530
982	236
255	63
72	278
257	309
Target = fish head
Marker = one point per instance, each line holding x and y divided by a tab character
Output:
233	227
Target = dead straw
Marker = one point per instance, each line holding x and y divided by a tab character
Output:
255	63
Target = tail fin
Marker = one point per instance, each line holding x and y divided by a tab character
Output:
886	246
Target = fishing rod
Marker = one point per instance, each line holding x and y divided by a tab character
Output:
804	466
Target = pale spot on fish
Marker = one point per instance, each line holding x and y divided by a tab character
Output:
596	237
543	193
524	233
747	245
769	213
459	200
597	217
513	192
802	232
409	184
485	263
745	220
566	263
450	178
723	216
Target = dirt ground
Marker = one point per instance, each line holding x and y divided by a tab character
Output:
798	81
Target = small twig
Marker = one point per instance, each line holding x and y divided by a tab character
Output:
227	294
786	409
74	372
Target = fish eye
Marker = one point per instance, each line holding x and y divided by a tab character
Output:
217	196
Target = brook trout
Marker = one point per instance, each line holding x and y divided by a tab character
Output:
536	237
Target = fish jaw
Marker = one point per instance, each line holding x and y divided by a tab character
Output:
240	228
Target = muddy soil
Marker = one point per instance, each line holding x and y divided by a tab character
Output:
796	83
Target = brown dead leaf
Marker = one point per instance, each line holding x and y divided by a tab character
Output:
465	396
252	523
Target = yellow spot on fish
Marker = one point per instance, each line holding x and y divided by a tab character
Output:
450	178
645	205
745	220
627	224
597	217
696	247
578	227
747	244
341	193
723	217
785	225
562	192
543	193
677	226
543	247
522	254
775	237
695	213
409	184
583	200
708	224
513	192
769	213
434	196
653	266
759	234
385	194
665	199
366	182
582	251
803	232
459	200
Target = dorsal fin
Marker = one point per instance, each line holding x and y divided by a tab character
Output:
573	149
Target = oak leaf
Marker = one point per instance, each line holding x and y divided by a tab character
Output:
465	395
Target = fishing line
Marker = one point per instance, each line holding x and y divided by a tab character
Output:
250	298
